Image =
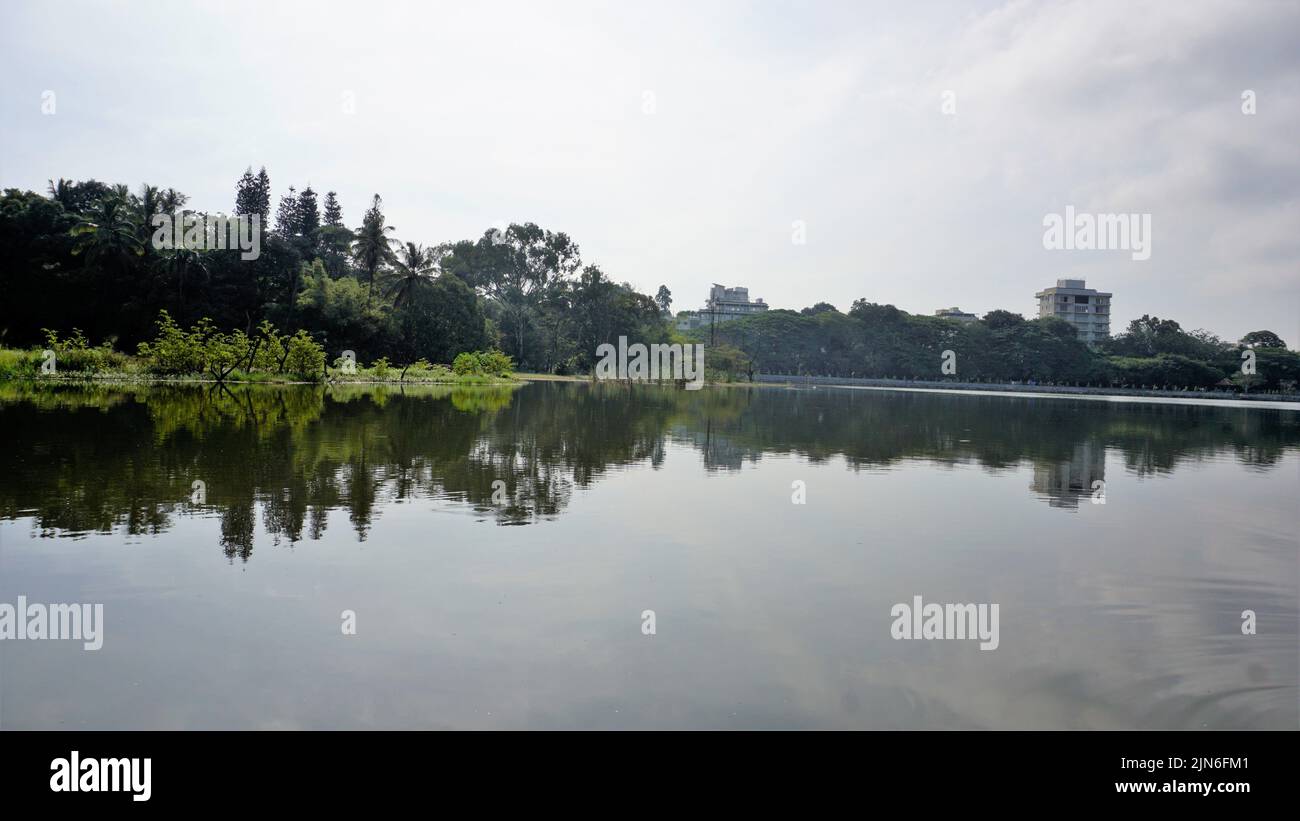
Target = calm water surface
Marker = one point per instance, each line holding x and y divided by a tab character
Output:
499	547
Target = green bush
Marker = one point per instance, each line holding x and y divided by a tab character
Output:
467	364
483	363
174	351
223	353
271	349
74	354
205	350
421	370
305	357
14	363
496	363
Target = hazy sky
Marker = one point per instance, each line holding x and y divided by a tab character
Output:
679	143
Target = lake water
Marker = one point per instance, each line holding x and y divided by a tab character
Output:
498	550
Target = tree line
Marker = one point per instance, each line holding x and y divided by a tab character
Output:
80	263
881	341
80	257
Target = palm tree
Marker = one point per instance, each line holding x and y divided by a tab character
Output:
171	199
372	247
146	205
62	193
109	233
415	268
181	262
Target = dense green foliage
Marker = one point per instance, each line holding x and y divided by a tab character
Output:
880	341
83	257
205	350
490	363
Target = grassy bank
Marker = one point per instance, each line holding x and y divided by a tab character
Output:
104	365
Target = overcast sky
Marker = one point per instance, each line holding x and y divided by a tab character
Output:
678	144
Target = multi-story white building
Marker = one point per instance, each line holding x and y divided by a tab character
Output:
1087	309
722	305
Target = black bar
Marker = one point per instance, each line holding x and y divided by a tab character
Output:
243	770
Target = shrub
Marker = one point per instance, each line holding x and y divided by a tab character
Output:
222	353
496	363
74	354
204	349
19	363
305	358
485	363
271	349
175	351
466	364
421	370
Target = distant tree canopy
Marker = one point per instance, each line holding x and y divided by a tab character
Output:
819	308
1262	339
664	299
881	341
1002	319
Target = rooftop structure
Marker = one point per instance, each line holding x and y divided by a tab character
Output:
956	314
724	304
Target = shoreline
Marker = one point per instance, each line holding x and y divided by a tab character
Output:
128	380
1213	398
1217	398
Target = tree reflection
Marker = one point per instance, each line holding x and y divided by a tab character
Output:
98	458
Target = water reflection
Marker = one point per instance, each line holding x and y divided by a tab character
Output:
770	614
84	459
1063	484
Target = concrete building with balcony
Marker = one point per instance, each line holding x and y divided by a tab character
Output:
1087	309
956	314
724	304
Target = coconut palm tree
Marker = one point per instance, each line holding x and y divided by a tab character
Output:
371	247
146	205
171	200
183	261
62	192
415	268
109	233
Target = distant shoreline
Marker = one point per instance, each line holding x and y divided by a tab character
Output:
1200	397
1218	398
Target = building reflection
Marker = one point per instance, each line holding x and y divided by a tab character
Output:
1081	477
